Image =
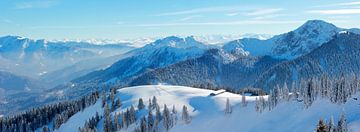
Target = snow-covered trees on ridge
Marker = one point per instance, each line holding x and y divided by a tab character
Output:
57	113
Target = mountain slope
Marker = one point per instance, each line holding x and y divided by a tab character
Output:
340	55
207	112
158	54
35	58
291	45
214	67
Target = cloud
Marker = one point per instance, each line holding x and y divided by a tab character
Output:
244	22
36	4
264	12
269	16
7	21
340	4
157	25
190	17
203	10
232	14
336	11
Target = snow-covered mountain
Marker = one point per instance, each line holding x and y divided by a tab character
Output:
160	53
209	113
340	55
221	39
293	44
35	58
244	69
14	88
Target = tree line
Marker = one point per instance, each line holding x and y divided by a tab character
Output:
57	113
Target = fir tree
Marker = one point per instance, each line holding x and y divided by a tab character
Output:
185	115
141	104
342	126
228	108
321	127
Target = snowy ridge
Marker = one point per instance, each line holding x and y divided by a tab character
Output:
207	112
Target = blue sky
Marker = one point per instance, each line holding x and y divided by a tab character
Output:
122	19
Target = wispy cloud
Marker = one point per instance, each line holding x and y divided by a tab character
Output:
339	4
190	17
224	23
336	11
262	17
203	10
36	4
264	12
158	25
232	14
7	21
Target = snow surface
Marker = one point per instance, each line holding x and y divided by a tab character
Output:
207	112
79	119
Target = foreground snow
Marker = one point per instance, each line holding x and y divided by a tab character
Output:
208	111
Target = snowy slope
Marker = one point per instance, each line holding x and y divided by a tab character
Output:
208	115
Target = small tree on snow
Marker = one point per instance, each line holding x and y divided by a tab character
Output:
228	108
185	115
141	104
331	126
321	127
342	127
243	100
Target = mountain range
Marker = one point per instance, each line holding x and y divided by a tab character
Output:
70	69
247	62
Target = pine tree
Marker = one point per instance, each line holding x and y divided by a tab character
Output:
167	122
342	126
185	115
331	125
174	110
141	104
143	126
150	120
243	100
321	127
154	103
150	105
107	127
228	108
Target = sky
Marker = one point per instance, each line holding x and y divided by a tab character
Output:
128	19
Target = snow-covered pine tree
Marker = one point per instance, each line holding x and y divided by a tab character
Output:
321	127
185	115
150	121
154	102
132	114
107	127
141	104
243	100
150	105
143	125
158	115
167	120
342	126
228	108
331	125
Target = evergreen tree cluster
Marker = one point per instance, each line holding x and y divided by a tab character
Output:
331	127
337	90
90	125
35	118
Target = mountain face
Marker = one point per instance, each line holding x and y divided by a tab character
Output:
158	54
35	58
291	45
14	88
339	55
260	63
215	67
